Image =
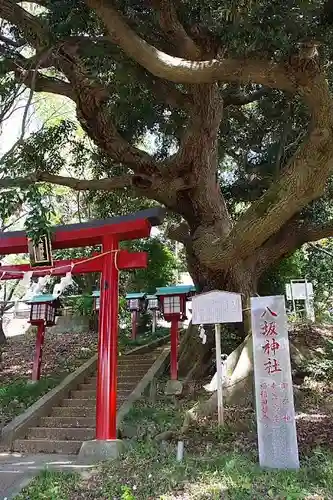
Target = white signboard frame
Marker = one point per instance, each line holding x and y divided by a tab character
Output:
217	307
299	290
277	438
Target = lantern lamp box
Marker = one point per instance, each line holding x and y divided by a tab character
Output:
152	302
176	290
97	298
43	308
136	301
40	253
217	307
173	300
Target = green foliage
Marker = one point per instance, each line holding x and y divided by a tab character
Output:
82	306
309	263
51	486
255	141
18	395
125	341
274	280
210	469
162	266
320	366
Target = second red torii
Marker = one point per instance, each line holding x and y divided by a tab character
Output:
124	260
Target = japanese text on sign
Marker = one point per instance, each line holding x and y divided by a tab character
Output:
273	384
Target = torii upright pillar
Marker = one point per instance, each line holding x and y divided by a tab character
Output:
106	397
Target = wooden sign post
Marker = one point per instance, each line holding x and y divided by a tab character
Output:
277	439
217	307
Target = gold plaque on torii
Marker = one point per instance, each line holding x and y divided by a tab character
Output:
40	253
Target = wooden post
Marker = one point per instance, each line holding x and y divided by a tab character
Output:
219	373
36	371
174	350
153	325
134	315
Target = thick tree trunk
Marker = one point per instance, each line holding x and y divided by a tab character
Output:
196	359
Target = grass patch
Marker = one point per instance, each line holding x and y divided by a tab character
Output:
51	486
18	395
125	341
150	472
219	463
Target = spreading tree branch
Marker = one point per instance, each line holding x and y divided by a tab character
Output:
175	31
33	30
240	99
292	236
180	233
172	68
10	42
153	187
42	83
117	182
302	180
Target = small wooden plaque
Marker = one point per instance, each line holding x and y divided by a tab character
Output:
40	253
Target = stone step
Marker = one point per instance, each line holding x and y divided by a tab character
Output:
86	403
136	358
121	385
80	394
72	411
72	422
61	433
129	379
47	446
134	366
76	411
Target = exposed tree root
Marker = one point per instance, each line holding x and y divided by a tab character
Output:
237	390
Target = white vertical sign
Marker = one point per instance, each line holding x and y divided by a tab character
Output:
277	439
217	307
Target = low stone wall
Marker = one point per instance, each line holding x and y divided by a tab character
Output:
75	324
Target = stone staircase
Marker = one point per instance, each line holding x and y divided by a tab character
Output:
68	425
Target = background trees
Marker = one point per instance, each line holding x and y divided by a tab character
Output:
221	114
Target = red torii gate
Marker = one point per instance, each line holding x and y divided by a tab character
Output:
107	233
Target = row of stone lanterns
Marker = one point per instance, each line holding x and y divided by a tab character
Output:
171	301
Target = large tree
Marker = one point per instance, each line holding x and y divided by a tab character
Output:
239	91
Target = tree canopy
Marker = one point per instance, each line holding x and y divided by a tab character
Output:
223	114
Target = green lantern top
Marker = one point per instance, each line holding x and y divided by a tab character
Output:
176	290
139	295
39	299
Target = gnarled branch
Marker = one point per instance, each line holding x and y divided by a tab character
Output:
180	70
302	180
177	35
180	233
292	236
240	99
33	30
42	83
